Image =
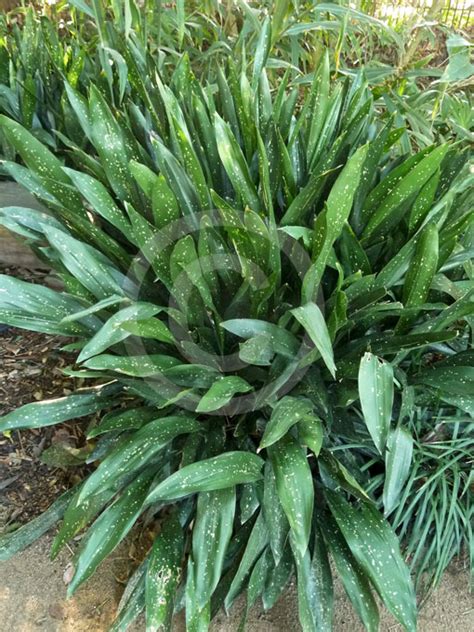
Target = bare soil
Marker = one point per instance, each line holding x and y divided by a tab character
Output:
33	599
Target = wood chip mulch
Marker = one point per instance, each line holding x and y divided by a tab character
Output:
31	366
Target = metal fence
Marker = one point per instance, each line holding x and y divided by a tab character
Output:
455	13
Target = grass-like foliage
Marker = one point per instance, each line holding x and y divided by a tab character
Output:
261	288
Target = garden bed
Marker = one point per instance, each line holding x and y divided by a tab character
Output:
264	269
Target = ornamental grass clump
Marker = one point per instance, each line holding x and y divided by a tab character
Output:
257	284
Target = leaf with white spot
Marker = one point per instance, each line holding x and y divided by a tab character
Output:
311	318
283	342
287	412
315	591
335	215
78	515
355	582
163	574
275	517
311	433
112	331
211	536
109	529
376	397
235	164
136	366
123	419
225	470
334	474
222	392
89	266
152	328
397	462
54	411
37	308
256	542
257	350
294	483
100	200
420	274
112	146
393	205
376	549
137	450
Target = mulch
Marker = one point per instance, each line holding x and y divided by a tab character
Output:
31	369
31	366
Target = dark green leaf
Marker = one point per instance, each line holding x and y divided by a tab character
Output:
398	461
294	483
12	543
110	529
55	411
311	318
211	535
137	450
376	549
222	392
376	397
226	470
287	412
356	584
163	574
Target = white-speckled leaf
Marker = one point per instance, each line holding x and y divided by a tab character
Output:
163	574
336	213
197	618
315	591
397	466
256	542
311	318
78	515
123	419
136	366
55	411
137	450
283	341
294	483
420	275
376	548
109	529
100	200
152	328
387	214
287	412
311	433
212	531
225	470
376	397
89	266
235	164
222	392
355	582
112	332
275	517
37	308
